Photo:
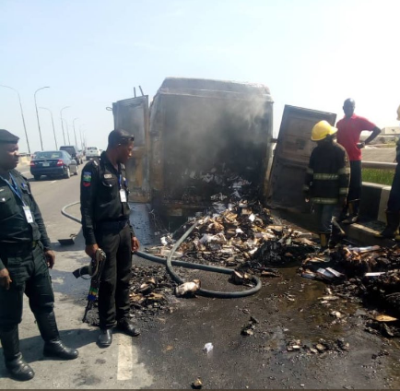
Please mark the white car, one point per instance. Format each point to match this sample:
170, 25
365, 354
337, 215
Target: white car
92, 152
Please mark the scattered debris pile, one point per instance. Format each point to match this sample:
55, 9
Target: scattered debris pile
244, 236
151, 290
322, 348
358, 261
371, 274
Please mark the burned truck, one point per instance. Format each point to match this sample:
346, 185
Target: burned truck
200, 140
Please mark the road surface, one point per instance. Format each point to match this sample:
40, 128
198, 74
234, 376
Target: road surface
169, 353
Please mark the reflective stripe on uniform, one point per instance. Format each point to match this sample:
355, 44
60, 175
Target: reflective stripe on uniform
326, 177
344, 170
326, 201
343, 190
310, 170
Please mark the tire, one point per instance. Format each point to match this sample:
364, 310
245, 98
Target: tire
67, 173
37, 177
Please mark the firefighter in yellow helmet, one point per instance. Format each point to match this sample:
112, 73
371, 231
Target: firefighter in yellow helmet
327, 182
393, 206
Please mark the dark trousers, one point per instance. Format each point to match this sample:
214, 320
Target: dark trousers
393, 204
325, 214
30, 275
114, 285
355, 181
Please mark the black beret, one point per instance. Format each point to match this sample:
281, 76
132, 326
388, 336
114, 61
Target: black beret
7, 138
119, 136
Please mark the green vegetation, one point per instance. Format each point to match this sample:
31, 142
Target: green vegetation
375, 175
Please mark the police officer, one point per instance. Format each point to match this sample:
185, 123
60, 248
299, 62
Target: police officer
105, 222
25, 256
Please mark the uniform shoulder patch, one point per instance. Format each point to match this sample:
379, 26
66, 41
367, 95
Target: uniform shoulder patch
86, 178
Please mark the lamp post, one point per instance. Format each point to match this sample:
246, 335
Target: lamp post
22, 115
80, 135
66, 123
73, 124
37, 114
62, 123
52, 122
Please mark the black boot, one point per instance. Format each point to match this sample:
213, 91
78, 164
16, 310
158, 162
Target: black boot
15, 364
127, 327
53, 346
104, 339
392, 226
354, 210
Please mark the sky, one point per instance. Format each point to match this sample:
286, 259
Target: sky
91, 53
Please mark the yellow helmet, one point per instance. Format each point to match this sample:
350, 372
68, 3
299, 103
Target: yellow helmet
321, 130
398, 114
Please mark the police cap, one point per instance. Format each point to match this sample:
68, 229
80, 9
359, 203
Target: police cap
7, 138
118, 137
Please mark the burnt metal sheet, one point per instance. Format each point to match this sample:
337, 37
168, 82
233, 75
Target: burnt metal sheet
132, 115
291, 157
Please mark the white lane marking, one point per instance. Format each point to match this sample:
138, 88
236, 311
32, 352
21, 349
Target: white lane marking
125, 357
53, 181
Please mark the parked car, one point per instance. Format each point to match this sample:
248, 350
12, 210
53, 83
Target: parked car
53, 164
92, 152
74, 152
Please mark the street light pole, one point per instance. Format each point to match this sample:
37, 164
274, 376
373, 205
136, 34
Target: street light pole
66, 123
62, 123
22, 115
80, 136
37, 115
52, 122
73, 124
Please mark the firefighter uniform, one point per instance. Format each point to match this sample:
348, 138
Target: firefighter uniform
327, 181
105, 221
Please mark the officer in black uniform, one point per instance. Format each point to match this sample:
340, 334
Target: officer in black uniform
105, 222
25, 256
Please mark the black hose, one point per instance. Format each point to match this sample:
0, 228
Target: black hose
169, 263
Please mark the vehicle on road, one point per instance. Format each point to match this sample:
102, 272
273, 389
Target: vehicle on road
92, 152
74, 152
53, 164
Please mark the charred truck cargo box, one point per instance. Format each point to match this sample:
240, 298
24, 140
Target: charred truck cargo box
202, 136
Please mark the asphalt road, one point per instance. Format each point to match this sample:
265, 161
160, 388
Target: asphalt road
169, 353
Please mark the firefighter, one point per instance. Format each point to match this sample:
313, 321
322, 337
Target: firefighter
25, 257
327, 182
105, 222
393, 206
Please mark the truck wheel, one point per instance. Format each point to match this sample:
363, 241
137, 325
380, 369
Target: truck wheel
67, 173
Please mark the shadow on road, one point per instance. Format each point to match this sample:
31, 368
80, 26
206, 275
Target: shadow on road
32, 348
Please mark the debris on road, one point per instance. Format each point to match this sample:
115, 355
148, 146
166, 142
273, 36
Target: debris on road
208, 347
188, 288
197, 384
249, 328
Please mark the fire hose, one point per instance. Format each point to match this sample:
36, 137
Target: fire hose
169, 263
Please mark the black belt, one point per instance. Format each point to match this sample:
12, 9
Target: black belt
112, 225
10, 249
